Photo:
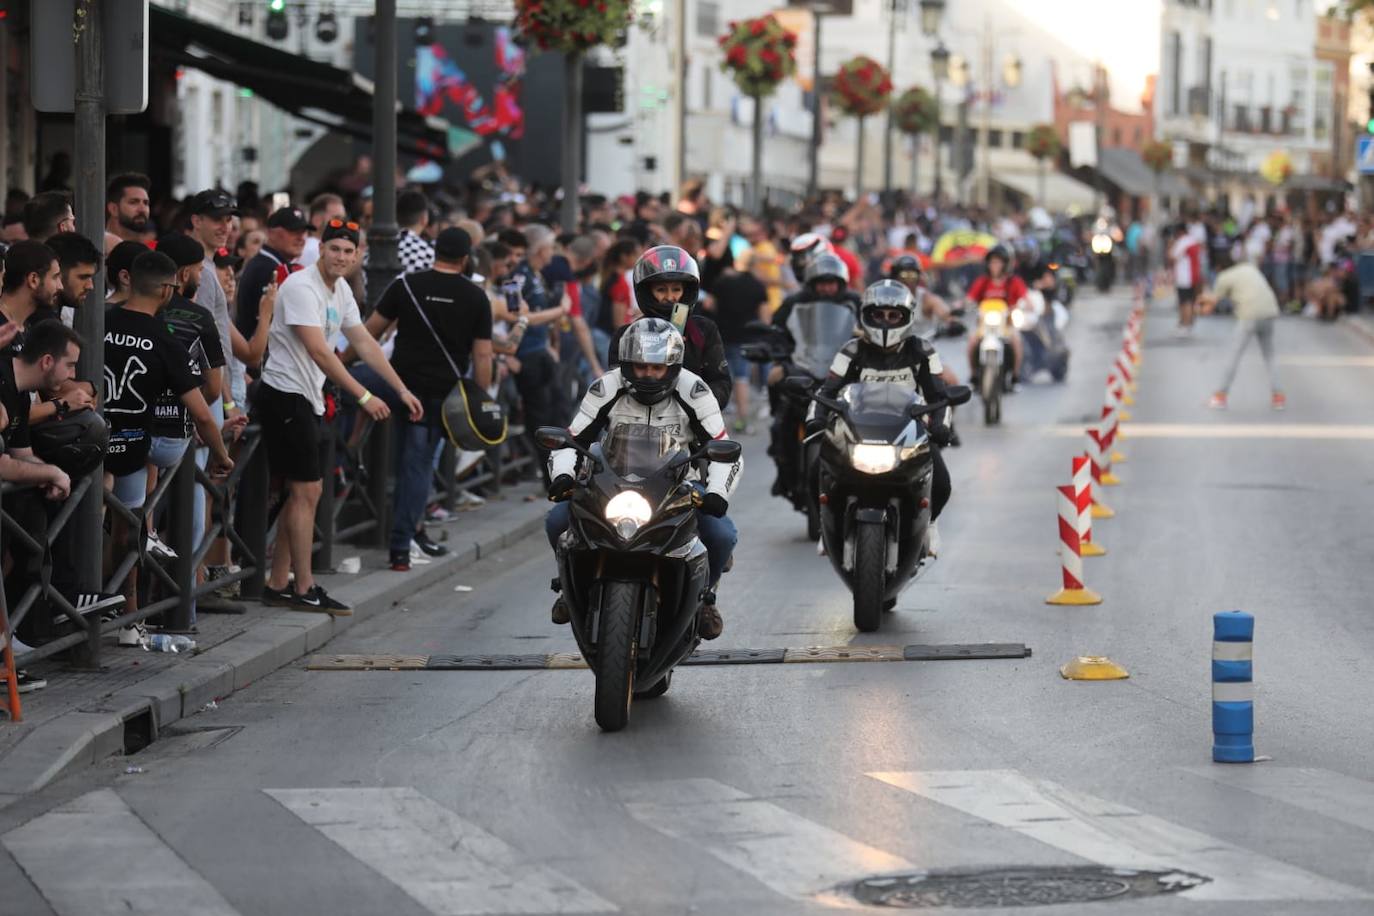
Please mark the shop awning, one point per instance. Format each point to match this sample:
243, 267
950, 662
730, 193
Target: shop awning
1124, 168
316, 91
1020, 171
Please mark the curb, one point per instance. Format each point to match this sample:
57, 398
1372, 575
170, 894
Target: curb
135, 715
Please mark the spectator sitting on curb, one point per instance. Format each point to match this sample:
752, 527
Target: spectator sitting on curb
313, 306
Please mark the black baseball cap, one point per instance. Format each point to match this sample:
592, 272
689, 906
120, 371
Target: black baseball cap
214, 202
292, 219
226, 258
182, 249
341, 229
453, 244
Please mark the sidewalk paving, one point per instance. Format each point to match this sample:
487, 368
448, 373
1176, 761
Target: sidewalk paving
83, 716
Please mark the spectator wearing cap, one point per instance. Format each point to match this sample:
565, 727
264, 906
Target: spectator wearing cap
274, 262
323, 208
313, 306
212, 221
443, 332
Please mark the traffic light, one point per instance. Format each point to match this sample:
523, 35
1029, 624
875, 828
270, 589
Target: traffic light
277, 25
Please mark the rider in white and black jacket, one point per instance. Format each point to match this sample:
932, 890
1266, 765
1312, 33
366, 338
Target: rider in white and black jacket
650, 388
888, 351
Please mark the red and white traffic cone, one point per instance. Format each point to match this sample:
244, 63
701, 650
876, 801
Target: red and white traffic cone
1125, 371
1083, 501
1110, 423
1073, 592
1115, 396
1100, 453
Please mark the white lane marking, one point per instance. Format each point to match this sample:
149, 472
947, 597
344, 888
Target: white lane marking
448, 865
1328, 362
94, 856
1285, 431
785, 851
1334, 795
1117, 836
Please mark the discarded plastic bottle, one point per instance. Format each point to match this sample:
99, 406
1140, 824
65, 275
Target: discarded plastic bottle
162, 642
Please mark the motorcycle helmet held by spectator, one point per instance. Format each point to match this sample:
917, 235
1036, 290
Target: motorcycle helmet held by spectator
76, 443
671, 264
651, 342
886, 314
827, 266
805, 247
473, 420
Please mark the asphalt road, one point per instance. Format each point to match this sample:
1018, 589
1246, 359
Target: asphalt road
761, 789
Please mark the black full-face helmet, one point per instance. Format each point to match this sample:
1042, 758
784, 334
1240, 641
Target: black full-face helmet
76, 443
650, 342
667, 263
886, 314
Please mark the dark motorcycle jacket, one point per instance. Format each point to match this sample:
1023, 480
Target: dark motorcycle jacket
914, 364
703, 354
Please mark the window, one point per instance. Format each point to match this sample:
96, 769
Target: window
1322, 105
946, 133
995, 139
1116, 136
1204, 63
1018, 139
1138, 135
708, 18
1175, 64
706, 87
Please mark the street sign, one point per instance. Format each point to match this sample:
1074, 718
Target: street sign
124, 39
1364, 155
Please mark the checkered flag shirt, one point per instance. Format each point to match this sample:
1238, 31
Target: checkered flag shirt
415, 253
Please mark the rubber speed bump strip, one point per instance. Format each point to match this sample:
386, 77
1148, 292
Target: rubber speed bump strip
567, 660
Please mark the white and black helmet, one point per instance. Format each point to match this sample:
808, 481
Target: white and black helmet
805, 247
651, 342
887, 313
827, 266
671, 264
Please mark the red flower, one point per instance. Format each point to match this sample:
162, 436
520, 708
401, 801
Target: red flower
737, 56
769, 55
722, 40
789, 39
757, 27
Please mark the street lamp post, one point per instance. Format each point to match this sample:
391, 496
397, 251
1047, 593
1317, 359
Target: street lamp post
818, 10
1011, 78
939, 67
931, 11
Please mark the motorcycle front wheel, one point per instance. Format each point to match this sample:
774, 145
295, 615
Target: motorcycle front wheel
991, 386
870, 574
615, 655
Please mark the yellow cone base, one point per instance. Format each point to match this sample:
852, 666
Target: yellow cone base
1123, 416
1093, 668
1078, 597
1089, 549
1101, 511
1127, 400
1117, 457
1109, 479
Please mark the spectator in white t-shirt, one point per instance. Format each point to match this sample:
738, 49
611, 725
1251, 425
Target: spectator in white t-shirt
312, 306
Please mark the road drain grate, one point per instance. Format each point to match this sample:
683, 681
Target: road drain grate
1016, 887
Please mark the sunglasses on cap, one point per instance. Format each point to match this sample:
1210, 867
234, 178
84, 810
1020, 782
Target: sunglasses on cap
343, 224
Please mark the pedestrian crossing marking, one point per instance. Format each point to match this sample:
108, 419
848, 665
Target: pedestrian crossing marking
1334, 795
784, 851
93, 856
445, 863
1117, 836
1286, 431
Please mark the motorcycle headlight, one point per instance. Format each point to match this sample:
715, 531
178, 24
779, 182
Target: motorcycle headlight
1102, 244
873, 458
627, 512
992, 319
1018, 320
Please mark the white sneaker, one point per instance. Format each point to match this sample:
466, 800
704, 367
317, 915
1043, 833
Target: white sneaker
820, 547
466, 460
418, 557
158, 549
466, 501
133, 635
933, 540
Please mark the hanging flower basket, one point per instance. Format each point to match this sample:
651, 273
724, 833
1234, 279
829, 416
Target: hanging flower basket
573, 26
1042, 142
1158, 155
862, 86
915, 112
759, 54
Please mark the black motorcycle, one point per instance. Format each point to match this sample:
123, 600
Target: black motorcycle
631, 569
814, 333
874, 476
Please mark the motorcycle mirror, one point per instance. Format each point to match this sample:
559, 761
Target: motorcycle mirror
553, 438
723, 451
798, 384
958, 394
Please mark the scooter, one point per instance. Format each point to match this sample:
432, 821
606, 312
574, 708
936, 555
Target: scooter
1042, 337
874, 475
993, 366
1104, 261
631, 568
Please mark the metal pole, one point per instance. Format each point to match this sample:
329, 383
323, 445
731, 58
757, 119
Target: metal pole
859, 165
985, 135
1099, 90
383, 261
756, 165
681, 94
572, 138
813, 172
891, 70
87, 522
939, 137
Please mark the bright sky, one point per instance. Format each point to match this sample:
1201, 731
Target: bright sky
1123, 34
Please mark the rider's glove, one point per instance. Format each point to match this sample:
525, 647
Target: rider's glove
715, 505
561, 486
941, 434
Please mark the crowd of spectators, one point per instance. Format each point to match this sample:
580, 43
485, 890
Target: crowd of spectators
229, 308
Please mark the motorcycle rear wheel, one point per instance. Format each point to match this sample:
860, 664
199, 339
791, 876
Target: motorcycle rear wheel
870, 576
615, 655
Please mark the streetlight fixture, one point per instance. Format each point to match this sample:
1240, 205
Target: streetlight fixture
939, 62
931, 13
1011, 71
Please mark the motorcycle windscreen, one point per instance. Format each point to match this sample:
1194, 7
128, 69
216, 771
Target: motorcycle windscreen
640, 449
878, 410
819, 330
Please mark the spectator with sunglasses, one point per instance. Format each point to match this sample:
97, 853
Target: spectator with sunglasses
313, 306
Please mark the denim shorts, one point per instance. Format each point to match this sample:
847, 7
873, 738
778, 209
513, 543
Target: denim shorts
739, 366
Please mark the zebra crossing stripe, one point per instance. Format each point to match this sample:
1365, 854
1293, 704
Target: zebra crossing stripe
784, 851
94, 856
1117, 836
446, 864
1334, 795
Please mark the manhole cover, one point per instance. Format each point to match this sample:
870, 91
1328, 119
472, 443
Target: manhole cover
1008, 887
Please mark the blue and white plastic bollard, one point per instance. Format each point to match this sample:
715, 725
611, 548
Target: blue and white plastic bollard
1233, 687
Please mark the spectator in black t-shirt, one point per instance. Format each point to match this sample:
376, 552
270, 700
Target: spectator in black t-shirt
49, 359
47, 214
286, 232
33, 279
443, 326
737, 298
